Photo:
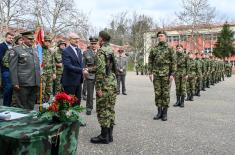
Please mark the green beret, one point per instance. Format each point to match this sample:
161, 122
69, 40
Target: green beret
161, 32
47, 38
28, 34
104, 35
61, 42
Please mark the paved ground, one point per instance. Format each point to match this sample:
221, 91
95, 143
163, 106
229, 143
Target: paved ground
205, 126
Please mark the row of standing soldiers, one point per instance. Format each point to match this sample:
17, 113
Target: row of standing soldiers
197, 72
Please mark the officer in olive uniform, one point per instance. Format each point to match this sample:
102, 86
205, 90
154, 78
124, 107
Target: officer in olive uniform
49, 70
25, 72
59, 67
181, 75
89, 62
162, 67
121, 71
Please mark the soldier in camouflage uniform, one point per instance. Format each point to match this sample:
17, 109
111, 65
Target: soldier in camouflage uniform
213, 70
208, 70
59, 67
106, 85
204, 71
228, 68
191, 77
49, 70
137, 68
162, 66
181, 75
198, 75
89, 62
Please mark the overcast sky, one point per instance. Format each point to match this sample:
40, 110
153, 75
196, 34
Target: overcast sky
101, 11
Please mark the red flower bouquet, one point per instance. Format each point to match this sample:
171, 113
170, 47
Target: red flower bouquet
63, 108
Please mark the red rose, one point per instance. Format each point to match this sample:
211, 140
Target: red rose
53, 107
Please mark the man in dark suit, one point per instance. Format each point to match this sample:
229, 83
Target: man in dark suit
72, 77
6, 81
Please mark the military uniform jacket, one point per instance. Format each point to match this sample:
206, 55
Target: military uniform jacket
89, 61
24, 66
49, 67
162, 61
192, 68
182, 64
199, 67
58, 59
121, 64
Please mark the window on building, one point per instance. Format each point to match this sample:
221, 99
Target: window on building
169, 39
183, 38
207, 50
207, 36
214, 37
176, 38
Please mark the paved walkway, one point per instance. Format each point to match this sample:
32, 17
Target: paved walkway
204, 126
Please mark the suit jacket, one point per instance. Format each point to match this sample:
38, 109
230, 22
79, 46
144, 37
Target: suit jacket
3, 49
72, 73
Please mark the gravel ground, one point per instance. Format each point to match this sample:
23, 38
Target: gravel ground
204, 126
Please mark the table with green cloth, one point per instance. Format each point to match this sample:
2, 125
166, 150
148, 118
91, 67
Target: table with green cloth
31, 136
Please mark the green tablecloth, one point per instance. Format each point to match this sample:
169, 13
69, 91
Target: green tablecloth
30, 136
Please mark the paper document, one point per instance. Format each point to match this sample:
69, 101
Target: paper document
9, 115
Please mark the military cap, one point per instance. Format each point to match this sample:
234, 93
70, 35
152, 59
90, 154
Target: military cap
93, 39
61, 42
47, 38
120, 50
16, 38
161, 32
179, 45
104, 35
28, 34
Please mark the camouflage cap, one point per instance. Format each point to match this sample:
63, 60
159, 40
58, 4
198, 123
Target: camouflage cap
104, 35
28, 34
93, 39
47, 38
61, 42
16, 38
161, 32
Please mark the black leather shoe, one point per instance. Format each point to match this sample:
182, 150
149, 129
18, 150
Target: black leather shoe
124, 93
103, 138
159, 114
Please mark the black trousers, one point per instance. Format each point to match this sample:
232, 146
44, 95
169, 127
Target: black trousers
74, 90
121, 79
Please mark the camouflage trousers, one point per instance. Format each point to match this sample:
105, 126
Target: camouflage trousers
204, 81
208, 81
46, 87
190, 85
198, 83
180, 83
57, 84
162, 91
213, 78
105, 106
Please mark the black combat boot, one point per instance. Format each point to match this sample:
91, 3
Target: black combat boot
182, 101
111, 134
198, 93
164, 114
103, 138
191, 96
188, 97
177, 101
159, 114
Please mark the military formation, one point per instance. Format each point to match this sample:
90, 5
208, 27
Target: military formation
193, 72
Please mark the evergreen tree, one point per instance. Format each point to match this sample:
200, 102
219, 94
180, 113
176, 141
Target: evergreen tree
224, 45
